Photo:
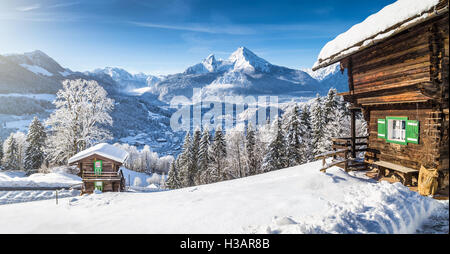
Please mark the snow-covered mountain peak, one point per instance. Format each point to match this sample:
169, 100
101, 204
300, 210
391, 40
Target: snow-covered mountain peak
244, 59
210, 63
115, 73
323, 73
36, 54
39, 63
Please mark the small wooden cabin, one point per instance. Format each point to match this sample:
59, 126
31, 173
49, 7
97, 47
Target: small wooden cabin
99, 168
398, 78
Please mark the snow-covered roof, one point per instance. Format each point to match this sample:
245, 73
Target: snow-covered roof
389, 21
102, 149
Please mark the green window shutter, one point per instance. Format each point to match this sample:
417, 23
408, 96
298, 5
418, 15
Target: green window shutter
98, 167
412, 131
382, 128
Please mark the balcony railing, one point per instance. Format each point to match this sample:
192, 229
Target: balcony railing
91, 175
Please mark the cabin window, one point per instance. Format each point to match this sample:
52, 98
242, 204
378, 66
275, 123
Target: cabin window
399, 130
396, 130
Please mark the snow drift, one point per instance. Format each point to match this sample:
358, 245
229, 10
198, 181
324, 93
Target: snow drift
293, 200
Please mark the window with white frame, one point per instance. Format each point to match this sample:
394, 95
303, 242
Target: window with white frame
396, 130
399, 130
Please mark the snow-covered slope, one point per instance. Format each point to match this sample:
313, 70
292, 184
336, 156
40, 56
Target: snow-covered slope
39, 63
293, 200
54, 179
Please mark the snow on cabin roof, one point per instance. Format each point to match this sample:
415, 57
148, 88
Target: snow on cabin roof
390, 20
102, 149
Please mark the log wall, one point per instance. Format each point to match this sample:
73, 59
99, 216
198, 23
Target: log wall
87, 164
410, 155
407, 76
408, 67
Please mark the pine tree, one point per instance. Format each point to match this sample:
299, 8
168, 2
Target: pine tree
293, 139
1, 152
275, 158
203, 158
173, 180
250, 147
194, 154
184, 162
306, 135
318, 125
330, 105
339, 122
11, 156
218, 155
34, 153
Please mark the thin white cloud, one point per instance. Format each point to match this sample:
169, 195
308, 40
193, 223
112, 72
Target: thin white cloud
249, 29
238, 30
28, 7
63, 5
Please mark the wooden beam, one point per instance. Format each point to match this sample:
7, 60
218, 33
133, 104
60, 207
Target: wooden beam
353, 133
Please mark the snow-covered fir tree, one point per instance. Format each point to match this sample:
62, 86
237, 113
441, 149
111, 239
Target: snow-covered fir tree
184, 162
338, 124
34, 153
330, 105
1, 152
318, 126
251, 151
203, 158
173, 180
193, 156
218, 155
293, 139
82, 108
275, 157
11, 157
306, 134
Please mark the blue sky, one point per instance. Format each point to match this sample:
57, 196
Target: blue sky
161, 37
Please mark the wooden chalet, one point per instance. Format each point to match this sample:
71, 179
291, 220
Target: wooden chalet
398, 78
100, 168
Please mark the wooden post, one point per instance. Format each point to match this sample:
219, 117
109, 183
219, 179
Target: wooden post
56, 196
353, 133
352, 110
346, 161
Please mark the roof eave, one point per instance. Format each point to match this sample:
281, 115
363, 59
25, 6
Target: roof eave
333, 60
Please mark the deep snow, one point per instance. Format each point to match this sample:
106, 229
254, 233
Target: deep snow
293, 200
58, 178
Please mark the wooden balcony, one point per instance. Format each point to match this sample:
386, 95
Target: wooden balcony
103, 176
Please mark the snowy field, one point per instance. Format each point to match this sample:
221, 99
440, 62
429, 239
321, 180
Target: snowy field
58, 178
11, 197
293, 200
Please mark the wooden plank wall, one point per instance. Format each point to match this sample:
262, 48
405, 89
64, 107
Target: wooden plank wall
88, 164
410, 155
396, 70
